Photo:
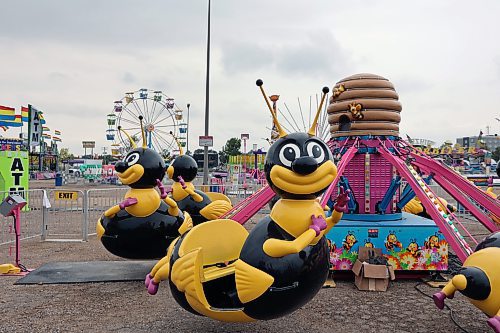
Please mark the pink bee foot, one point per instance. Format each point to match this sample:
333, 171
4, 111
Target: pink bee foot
494, 323
439, 299
153, 287
148, 280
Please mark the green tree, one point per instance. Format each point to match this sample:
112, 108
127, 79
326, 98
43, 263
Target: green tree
496, 154
64, 154
127, 145
231, 148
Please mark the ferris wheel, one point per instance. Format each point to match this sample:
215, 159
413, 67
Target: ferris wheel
161, 119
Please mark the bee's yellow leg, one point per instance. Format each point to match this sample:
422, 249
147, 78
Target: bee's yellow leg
196, 197
187, 224
112, 211
159, 266
449, 290
162, 273
173, 209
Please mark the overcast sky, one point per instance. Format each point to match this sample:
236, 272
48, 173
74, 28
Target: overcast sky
72, 59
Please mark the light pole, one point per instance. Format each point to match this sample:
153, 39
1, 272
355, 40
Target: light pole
187, 130
244, 138
205, 153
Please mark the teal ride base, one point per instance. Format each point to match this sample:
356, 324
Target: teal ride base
409, 242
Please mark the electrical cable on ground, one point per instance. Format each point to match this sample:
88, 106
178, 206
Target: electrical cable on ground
446, 306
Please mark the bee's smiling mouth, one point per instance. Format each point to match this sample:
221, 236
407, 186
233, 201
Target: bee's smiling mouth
291, 182
132, 174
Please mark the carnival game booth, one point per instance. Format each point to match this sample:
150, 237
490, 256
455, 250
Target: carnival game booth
391, 205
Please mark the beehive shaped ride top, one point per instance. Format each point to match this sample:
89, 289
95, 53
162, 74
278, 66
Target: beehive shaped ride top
364, 104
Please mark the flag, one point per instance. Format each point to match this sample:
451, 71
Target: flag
18, 121
8, 117
24, 114
46, 136
56, 132
7, 113
42, 120
45, 129
56, 138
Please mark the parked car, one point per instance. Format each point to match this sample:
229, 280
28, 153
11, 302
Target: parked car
75, 172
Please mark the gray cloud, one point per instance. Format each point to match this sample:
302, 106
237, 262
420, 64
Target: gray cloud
120, 24
240, 57
408, 84
72, 59
319, 53
129, 78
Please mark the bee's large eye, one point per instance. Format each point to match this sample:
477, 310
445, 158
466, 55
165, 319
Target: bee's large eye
315, 151
132, 159
289, 153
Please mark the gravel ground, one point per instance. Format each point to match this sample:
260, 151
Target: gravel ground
127, 307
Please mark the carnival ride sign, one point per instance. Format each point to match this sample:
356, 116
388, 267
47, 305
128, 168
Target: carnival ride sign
88, 144
11, 144
206, 141
449, 150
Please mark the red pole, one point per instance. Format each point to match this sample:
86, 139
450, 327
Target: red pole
17, 216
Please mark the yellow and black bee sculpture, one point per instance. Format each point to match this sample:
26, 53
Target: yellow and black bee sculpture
198, 204
219, 270
146, 222
479, 280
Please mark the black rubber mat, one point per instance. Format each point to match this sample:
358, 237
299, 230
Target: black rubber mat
88, 271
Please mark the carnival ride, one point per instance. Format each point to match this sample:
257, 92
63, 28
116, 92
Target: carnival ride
374, 163
160, 114
219, 270
294, 121
201, 206
143, 225
147, 221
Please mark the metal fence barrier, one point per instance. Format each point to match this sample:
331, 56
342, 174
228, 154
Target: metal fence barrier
98, 201
31, 223
65, 218
71, 215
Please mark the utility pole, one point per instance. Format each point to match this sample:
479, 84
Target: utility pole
205, 154
187, 130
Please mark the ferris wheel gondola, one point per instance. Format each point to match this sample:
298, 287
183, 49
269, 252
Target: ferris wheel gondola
160, 117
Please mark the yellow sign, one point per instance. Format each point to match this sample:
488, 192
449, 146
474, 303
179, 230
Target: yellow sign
66, 195
448, 150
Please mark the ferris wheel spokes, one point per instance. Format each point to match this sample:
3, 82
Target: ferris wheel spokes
130, 112
156, 116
